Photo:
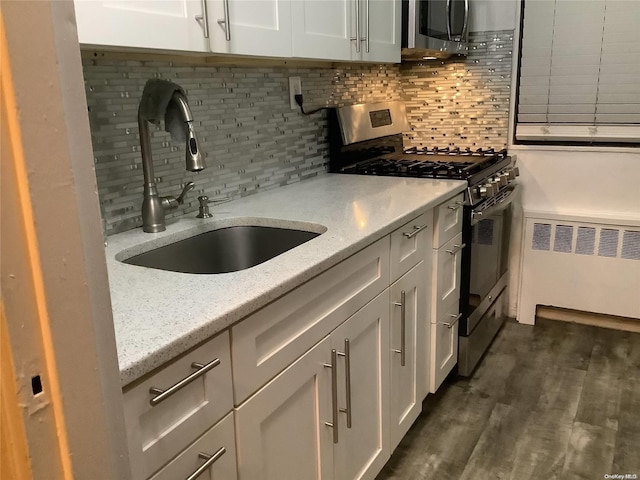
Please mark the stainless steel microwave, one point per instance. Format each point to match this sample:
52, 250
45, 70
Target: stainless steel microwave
434, 28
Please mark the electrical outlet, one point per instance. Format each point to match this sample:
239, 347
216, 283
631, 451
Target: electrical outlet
295, 88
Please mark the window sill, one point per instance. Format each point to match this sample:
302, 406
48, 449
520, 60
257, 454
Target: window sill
571, 148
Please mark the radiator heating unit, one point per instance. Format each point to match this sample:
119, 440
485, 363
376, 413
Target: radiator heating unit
580, 262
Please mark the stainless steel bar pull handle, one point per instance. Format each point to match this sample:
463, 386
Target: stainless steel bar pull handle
204, 19
455, 206
449, 20
416, 230
224, 23
454, 321
161, 395
403, 327
367, 28
210, 460
465, 26
334, 394
456, 248
357, 37
347, 374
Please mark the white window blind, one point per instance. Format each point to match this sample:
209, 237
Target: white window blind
580, 71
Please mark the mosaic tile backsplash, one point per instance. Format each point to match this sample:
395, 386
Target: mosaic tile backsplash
254, 141
463, 103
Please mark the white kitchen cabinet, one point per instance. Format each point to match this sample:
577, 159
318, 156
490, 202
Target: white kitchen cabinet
381, 27
159, 431
281, 431
409, 347
367, 30
163, 25
445, 296
447, 219
363, 448
410, 244
444, 348
318, 29
284, 430
250, 27
269, 340
322, 29
447, 265
218, 444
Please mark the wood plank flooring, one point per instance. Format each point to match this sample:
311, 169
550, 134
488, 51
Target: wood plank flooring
554, 401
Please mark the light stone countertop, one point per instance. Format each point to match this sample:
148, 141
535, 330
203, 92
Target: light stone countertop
159, 315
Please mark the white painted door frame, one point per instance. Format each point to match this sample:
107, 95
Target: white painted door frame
55, 291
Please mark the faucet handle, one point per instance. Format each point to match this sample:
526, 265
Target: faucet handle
187, 188
204, 207
171, 203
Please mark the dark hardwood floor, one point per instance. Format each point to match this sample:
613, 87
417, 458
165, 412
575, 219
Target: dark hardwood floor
554, 401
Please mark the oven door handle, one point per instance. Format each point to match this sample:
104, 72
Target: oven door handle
476, 217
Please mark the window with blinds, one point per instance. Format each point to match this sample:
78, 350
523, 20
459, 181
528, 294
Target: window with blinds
580, 71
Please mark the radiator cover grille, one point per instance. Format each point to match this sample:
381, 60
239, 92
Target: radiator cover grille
581, 240
573, 262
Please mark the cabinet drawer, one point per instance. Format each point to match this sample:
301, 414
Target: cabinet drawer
409, 244
444, 347
266, 342
219, 442
447, 220
157, 433
447, 264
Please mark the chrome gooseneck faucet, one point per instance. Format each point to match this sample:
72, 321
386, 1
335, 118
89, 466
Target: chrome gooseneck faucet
153, 205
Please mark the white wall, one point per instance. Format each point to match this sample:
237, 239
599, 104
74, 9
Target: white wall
591, 182
491, 15
565, 180
587, 181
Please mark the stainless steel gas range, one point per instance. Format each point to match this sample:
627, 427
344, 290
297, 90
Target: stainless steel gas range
367, 139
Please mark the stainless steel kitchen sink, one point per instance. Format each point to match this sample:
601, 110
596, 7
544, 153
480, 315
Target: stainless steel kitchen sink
224, 250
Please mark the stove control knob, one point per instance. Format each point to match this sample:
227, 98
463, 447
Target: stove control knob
504, 179
512, 174
516, 171
488, 190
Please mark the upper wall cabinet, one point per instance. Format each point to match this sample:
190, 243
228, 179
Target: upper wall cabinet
163, 25
250, 27
322, 29
381, 26
356, 30
348, 30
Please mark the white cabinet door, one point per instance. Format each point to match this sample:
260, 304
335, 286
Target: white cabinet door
408, 323
321, 29
250, 27
444, 344
381, 28
328, 29
363, 449
281, 431
447, 273
166, 25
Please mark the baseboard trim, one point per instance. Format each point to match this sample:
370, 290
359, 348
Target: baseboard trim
588, 318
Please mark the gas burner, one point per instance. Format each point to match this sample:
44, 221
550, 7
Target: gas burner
480, 152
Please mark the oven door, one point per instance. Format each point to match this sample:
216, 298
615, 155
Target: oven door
486, 230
